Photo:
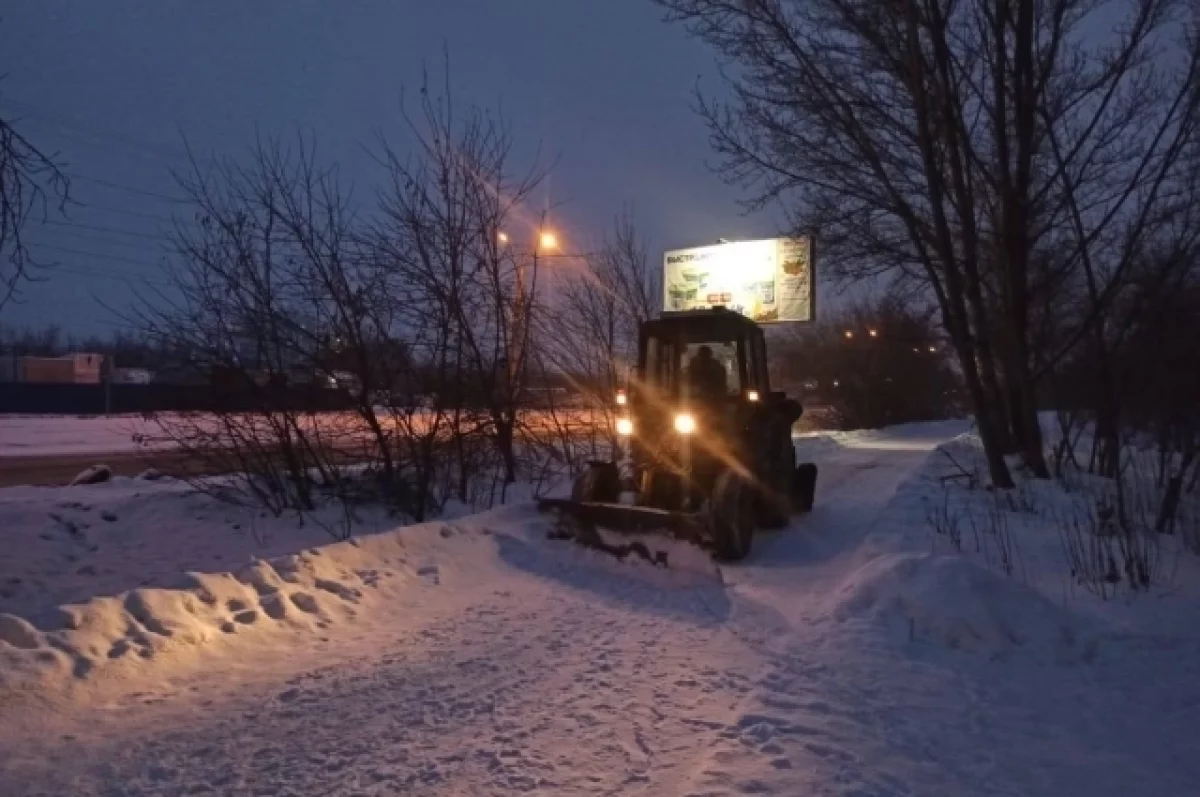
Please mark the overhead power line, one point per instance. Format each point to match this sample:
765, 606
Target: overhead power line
129, 188
127, 212
84, 253
93, 131
128, 279
104, 230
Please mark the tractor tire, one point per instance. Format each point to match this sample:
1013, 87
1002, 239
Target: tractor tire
777, 502
731, 517
600, 482
804, 487
662, 490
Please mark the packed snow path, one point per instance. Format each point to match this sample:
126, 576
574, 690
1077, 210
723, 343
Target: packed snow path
563, 672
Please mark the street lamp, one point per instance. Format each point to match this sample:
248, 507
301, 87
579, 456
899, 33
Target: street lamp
849, 334
502, 237
547, 241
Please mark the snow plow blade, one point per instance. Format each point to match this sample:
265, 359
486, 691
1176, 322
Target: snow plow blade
672, 540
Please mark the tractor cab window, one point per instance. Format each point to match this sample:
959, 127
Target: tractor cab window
710, 368
756, 365
660, 357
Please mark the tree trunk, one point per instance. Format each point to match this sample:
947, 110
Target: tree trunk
1167, 511
1027, 426
504, 444
985, 420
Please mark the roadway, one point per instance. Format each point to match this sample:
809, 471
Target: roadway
58, 469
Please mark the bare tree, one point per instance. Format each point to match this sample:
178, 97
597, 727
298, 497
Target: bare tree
29, 180
452, 228
944, 139
588, 328
874, 363
275, 302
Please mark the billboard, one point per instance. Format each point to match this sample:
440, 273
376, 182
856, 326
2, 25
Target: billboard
770, 280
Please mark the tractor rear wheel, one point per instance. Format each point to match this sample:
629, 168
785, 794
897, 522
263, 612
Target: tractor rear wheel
776, 502
731, 518
600, 482
804, 487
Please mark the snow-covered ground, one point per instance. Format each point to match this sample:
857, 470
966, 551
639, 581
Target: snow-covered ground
61, 435
851, 655
46, 435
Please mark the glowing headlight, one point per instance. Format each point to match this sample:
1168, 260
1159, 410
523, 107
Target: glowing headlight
751, 395
624, 427
685, 423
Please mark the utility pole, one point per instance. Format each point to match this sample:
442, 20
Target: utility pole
106, 370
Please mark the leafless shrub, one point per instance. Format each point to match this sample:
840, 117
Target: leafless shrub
586, 337
961, 474
1108, 536
945, 520
1086, 536
993, 533
377, 355
452, 234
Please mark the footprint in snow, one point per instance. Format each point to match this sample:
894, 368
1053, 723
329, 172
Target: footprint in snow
430, 573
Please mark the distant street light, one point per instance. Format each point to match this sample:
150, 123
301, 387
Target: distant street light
502, 237
849, 334
548, 241
932, 349
873, 333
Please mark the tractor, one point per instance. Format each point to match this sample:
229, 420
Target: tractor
706, 450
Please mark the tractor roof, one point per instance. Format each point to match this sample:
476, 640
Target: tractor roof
713, 322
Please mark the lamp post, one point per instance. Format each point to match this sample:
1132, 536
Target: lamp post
545, 242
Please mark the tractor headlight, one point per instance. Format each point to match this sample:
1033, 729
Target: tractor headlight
624, 426
685, 423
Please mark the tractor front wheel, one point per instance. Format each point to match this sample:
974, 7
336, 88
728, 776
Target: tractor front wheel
731, 512
599, 483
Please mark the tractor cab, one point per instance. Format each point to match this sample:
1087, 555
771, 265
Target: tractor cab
709, 357
701, 402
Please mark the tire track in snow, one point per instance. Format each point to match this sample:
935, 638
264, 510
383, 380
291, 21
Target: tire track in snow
787, 736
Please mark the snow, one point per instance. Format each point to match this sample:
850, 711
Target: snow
46, 435
61, 435
855, 653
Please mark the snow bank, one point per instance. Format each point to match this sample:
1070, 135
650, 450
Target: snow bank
132, 571
953, 602
308, 591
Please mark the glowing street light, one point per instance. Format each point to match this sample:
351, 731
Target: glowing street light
873, 332
932, 349
548, 241
849, 334
502, 237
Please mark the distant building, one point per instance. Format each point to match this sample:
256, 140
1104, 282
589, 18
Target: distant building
132, 376
78, 369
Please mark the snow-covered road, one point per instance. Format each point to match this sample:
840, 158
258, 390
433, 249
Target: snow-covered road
556, 671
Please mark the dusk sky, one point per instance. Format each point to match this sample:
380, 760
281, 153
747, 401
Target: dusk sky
113, 86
